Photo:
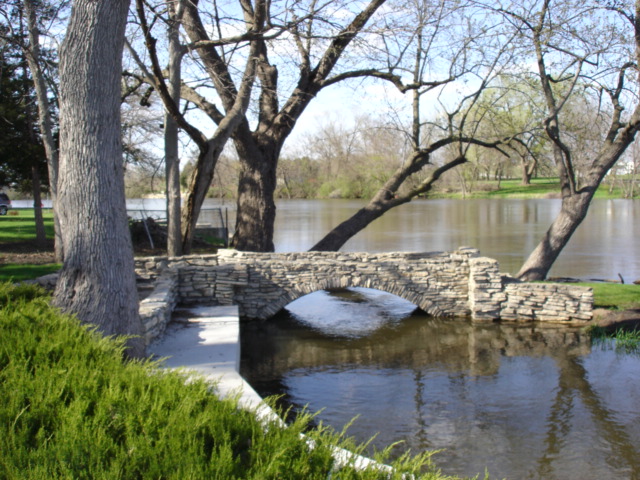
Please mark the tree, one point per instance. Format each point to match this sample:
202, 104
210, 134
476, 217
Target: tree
97, 280
259, 148
35, 13
210, 148
22, 30
171, 150
23, 161
477, 61
168, 93
590, 48
514, 107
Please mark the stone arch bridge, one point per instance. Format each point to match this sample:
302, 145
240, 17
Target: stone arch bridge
459, 283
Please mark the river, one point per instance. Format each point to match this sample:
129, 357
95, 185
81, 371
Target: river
521, 401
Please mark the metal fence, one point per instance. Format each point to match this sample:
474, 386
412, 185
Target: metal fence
212, 226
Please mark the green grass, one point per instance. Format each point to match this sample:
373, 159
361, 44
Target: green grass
628, 340
540, 187
615, 295
513, 188
622, 340
71, 408
16, 272
19, 225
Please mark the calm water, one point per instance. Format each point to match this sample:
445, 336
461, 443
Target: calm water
523, 402
605, 245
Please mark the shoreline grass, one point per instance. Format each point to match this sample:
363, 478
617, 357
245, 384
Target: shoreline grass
622, 340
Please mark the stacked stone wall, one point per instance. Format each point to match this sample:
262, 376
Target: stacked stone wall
543, 302
436, 282
443, 284
156, 310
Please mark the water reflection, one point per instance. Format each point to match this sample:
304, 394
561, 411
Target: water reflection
525, 402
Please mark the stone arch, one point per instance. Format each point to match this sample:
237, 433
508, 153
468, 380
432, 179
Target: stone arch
374, 282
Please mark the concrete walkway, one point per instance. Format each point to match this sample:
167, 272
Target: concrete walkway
205, 340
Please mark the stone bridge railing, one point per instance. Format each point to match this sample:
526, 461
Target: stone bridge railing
458, 283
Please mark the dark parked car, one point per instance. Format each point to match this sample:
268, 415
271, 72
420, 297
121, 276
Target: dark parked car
5, 203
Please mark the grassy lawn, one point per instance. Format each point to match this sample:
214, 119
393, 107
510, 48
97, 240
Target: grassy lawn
615, 295
16, 272
19, 225
540, 187
71, 408
17, 234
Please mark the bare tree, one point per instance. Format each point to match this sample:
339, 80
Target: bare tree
171, 141
580, 48
97, 280
259, 147
210, 148
456, 129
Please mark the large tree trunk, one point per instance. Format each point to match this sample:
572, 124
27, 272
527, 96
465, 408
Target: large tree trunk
256, 208
97, 281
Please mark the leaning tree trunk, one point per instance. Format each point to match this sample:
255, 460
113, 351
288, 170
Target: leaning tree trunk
572, 213
196, 193
97, 281
386, 198
339, 235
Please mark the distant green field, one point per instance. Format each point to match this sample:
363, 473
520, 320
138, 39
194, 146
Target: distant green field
539, 188
19, 225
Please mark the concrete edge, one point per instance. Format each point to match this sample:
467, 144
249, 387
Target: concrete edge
205, 341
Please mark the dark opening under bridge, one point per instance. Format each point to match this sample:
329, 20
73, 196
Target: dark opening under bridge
459, 283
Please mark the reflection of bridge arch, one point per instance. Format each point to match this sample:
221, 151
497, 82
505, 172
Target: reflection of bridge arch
442, 284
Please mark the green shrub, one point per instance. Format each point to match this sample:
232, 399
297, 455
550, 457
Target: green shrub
71, 408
